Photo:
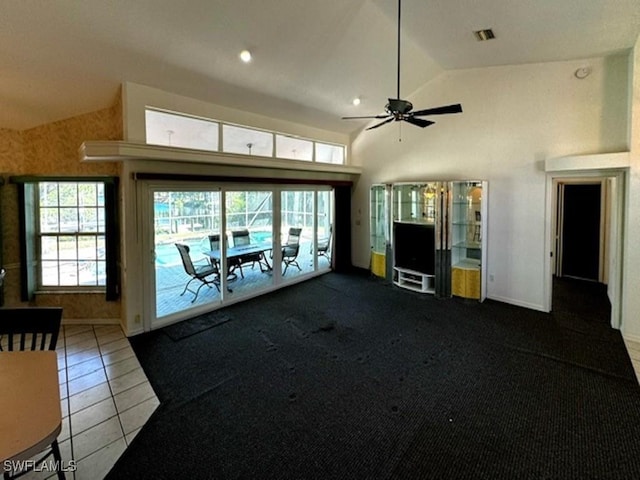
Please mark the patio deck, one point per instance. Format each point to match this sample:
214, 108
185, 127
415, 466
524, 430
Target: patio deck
171, 279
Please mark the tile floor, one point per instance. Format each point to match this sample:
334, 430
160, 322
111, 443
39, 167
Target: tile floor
633, 349
106, 399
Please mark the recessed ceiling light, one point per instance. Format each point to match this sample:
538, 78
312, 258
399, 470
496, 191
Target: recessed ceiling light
482, 35
356, 101
245, 56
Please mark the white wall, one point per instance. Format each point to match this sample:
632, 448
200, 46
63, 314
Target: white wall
514, 118
631, 280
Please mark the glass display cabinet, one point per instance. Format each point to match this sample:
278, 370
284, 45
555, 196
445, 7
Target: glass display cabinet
415, 202
468, 232
431, 236
379, 228
413, 235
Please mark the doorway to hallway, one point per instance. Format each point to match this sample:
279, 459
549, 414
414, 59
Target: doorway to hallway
585, 219
581, 231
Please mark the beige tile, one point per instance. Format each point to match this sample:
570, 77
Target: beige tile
116, 370
110, 337
84, 368
72, 330
89, 397
98, 464
634, 355
39, 474
65, 431
62, 362
118, 355
93, 415
115, 346
132, 397
82, 356
130, 436
79, 341
64, 407
64, 391
65, 454
82, 346
97, 437
137, 416
631, 342
36, 475
127, 381
87, 381
62, 376
106, 329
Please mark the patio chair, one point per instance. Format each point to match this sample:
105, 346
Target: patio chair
291, 249
32, 328
200, 273
323, 247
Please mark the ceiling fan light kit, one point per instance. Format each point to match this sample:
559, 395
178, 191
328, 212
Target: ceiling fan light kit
398, 109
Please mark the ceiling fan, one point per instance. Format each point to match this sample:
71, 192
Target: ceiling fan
401, 110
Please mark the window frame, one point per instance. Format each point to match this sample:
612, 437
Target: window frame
28, 209
222, 148
61, 235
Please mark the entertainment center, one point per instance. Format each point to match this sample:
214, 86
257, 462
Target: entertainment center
434, 233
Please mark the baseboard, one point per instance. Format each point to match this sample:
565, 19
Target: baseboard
518, 303
90, 321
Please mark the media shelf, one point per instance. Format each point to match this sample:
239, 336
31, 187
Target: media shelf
412, 280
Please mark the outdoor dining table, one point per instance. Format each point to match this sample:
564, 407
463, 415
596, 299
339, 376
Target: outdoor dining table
244, 250
30, 415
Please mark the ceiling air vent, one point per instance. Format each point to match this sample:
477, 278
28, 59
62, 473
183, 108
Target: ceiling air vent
482, 35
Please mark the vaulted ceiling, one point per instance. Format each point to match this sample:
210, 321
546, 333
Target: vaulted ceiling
60, 58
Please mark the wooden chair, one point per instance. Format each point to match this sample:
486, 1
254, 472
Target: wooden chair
32, 328
200, 273
28, 328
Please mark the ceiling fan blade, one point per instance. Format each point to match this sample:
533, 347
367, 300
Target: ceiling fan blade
390, 119
455, 108
420, 122
370, 116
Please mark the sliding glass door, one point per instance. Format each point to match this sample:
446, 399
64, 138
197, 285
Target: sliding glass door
324, 230
185, 277
249, 227
206, 246
296, 232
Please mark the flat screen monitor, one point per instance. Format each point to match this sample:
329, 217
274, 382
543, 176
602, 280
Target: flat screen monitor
414, 247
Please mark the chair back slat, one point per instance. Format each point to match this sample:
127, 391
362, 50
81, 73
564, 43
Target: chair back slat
30, 328
214, 241
186, 258
241, 237
294, 236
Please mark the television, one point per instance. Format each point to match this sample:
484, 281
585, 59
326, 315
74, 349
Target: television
414, 247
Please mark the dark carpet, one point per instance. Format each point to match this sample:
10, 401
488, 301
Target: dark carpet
347, 377
182, 330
